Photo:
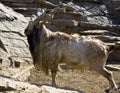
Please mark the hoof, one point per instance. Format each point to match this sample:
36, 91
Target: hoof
107, 91
114, 90
54, 85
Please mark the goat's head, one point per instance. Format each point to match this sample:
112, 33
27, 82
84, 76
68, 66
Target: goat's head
37, 21
42, 17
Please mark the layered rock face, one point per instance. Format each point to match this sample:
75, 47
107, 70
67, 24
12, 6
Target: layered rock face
13, 46
96, 18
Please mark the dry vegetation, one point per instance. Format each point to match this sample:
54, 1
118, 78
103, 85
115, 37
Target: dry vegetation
90, 82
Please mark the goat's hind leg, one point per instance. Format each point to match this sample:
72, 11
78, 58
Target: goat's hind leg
107, 74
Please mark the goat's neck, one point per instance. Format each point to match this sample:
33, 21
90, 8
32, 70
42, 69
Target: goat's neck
46, 33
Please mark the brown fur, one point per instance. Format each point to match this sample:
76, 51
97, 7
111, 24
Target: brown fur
79, 52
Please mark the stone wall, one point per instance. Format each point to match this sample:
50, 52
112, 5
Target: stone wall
13, 45
87, 17
27, 7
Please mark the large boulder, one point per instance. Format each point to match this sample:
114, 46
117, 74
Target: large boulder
14, 86
13, 44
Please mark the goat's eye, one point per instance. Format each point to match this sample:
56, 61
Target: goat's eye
26, 32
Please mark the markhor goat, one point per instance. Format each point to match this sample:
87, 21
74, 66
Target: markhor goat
49, 48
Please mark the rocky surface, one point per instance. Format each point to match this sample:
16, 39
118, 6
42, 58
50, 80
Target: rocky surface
7, 84
13, 45
96, 18
50, 89
13, 86
14, 53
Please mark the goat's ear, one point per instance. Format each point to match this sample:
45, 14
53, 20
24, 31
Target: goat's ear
40, 11
33, 17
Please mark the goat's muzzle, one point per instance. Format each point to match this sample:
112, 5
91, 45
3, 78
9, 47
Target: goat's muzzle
27, 32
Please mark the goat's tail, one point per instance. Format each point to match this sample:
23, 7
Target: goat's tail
112, 68
113, 47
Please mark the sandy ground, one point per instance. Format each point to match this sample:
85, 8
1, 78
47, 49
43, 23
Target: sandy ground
89, 82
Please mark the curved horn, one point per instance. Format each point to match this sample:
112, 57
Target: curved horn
57, 10
42, 15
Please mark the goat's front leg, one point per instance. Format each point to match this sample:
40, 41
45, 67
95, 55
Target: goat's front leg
53, 77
